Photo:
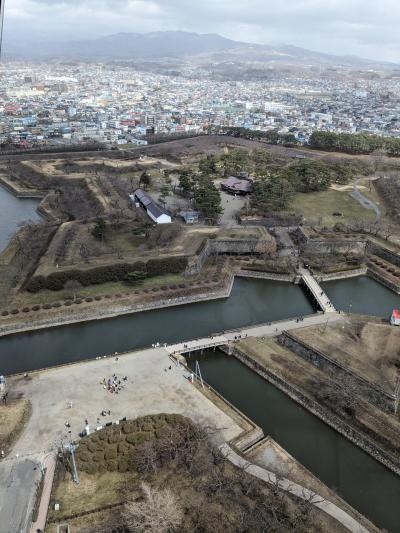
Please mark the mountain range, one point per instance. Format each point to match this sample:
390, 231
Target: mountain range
179, 46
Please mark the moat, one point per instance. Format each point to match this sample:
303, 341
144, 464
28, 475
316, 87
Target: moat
363, 482
14, 211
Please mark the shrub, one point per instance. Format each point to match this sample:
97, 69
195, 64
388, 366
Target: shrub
5, 313
88, 299
111, 454
47, 306
102, 274
14, 311
56, 305
68, 303
36, 308
90, 468
123, 465
26, 310
78, 301
97, 298
112, 465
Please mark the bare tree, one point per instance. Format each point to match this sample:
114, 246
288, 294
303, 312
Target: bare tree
158, 511
72, 286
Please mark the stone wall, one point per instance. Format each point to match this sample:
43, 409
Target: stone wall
370, 391
219, 246
361, 440
383, 253
380, 278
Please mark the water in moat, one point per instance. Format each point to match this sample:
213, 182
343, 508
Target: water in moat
13, 211
251, 301
362, 295
366, 484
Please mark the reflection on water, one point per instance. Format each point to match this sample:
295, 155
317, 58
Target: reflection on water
13, 211
366, 484
252, 301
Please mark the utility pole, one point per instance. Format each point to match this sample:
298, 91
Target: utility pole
75, 474
71, 447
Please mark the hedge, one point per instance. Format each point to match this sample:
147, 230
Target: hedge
103, 274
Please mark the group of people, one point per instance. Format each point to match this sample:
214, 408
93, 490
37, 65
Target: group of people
114, 384
238, 337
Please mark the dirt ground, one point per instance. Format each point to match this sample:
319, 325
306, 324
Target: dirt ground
13, 418
371, 350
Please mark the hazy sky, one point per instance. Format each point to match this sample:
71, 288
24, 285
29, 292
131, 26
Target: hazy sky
368, 28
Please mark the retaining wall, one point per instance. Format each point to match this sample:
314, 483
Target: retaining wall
380, 278
217, 246
266, 275
342, 275
370, 391
316, 409
117, 311
383, 253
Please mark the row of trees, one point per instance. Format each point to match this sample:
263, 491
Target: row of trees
359, 143
270, 136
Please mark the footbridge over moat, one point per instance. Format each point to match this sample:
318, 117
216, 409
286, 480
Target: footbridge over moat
316, 291
271, 329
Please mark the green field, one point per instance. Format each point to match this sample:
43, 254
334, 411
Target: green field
113, 287
318, 207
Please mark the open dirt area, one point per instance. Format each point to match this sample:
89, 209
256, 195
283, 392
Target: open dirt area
149, 389
13, 418
371, 350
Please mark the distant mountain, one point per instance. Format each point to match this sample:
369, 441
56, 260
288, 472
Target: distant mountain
178, 45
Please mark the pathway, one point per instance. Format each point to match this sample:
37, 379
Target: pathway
271, 329
293, 488
50, 466
316, 290
364, 201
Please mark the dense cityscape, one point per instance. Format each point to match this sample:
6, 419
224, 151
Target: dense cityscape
72, 103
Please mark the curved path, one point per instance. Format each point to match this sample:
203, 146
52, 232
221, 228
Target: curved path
364, 201
293, 488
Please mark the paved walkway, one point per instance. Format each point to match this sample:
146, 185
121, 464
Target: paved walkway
50, 465
315, 288
263, 330
364, 201
293, 488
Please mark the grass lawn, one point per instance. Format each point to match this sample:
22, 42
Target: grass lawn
13, 418
112, 287
320, 206
93, 492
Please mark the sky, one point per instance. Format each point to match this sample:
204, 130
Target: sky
367, 28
